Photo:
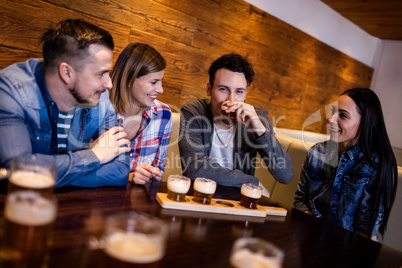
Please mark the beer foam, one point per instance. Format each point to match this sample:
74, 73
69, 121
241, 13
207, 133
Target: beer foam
206, 187
179, 187
29, 208
133, 248
244, 258
32, 180
250, 192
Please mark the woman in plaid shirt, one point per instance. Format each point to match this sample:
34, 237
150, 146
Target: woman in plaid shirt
137, 81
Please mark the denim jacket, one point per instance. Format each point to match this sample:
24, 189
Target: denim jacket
28, 125
354, 181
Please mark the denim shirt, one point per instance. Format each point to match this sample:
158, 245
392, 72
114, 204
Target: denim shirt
28, 125
353, 182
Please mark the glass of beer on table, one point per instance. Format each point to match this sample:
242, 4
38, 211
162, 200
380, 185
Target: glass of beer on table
28, 224
134, 240
231, 115
255, 252
250, 195
204, 189
33, 173
177, 187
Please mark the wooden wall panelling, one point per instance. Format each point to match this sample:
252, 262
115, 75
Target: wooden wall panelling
191, 92
296, 75
29, 19
277, 90
332, 69
144, 15
284, 117
171, 94
185, 65
219, 41
12, 55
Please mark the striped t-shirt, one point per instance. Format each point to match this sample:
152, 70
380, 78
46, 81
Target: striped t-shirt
63, 128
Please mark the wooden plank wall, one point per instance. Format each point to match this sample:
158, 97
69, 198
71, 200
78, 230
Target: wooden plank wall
296, 75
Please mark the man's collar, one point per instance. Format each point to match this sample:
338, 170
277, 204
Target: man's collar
40, 80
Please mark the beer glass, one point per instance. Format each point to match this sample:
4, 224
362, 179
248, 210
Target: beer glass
32, 173
134, 240
250, 195
231, 115
177, 187
204, 189
28, 222
254, 252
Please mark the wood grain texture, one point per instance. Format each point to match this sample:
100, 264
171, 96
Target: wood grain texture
296, 75
380, 18
200, 240
220, 206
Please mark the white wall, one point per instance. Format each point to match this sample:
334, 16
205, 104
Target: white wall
387, 83
323, 23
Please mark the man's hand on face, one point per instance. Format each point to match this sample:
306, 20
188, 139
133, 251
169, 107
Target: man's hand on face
110, 144
244, 113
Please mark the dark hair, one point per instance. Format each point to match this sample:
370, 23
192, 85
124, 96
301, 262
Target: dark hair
374, 140
69, 42
232, 62
136, 60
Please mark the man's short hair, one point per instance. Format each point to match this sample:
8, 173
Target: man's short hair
232, 62
70, 41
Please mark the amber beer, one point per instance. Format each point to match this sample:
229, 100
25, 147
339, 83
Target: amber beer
245, 259
231, 115
204, 189
132, 250
250, 195
28, 221
178, 187
28, 180
134, 240
33, 173
255, 252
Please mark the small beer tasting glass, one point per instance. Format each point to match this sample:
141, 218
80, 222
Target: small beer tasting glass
250, 195
177, 187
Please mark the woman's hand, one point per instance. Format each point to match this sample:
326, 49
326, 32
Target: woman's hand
143, 173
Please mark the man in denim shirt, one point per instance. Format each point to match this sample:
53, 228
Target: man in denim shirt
71, 81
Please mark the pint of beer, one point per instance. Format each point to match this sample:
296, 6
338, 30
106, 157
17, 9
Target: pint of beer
134, 240
204, 189
231, 115
32, 173
28, 221
177, 187
250, 195
254, 252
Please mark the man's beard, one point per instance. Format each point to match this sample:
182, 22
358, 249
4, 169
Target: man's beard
81, 100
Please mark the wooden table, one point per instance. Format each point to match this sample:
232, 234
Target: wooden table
199, 239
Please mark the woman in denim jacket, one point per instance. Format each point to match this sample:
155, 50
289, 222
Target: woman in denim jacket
351, 179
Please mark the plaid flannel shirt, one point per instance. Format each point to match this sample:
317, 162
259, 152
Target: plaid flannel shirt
151, 144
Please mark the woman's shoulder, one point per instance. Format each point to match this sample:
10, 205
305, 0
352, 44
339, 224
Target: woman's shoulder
158, 105
161, 111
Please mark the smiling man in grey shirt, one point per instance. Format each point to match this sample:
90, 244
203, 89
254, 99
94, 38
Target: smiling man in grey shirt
221, 135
